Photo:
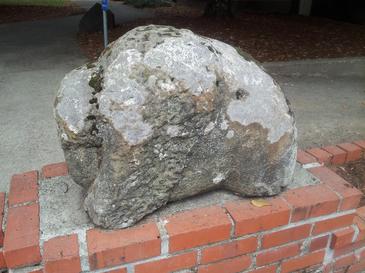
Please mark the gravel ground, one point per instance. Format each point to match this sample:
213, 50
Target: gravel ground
18, 13
267, 37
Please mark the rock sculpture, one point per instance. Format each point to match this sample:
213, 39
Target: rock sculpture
165, 114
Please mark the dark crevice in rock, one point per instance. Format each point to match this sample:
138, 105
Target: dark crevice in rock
90, 65
290, 111
91, 117
241, 94
94, 130
93, 100
213, 50
96, 81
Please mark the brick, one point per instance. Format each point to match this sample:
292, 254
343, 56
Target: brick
362, 255
319, 243
37, 271
357, 268
61, 255
348, 249
349, 194
361, 212
250, 219
315, 268
333, 223
233, 265
302, 262
361, 144
327, 268
277, 254
311, 201
23, 188
360, 223
342, 270
197, 227
229, 250
338, 155
305, 158
21, 242
343, 237
2, 261
285, 236
353, 151
55, 169
344, 261
321, 155
121, 270
265, 269
111, 248
167, 265
2, 211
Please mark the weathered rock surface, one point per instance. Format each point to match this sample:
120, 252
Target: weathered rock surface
165, 114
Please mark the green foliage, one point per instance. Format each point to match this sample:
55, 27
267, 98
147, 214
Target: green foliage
54, 3
148, 3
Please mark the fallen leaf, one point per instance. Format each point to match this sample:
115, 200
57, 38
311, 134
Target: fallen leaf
260, 203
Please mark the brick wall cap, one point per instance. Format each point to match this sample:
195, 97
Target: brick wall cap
305, 158
250, 219
54, 170
107, 248
350, 195
61, 247
197, 227
21, 242
320, 154
360, 143
23, 188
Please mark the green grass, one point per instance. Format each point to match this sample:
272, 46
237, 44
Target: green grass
54, 3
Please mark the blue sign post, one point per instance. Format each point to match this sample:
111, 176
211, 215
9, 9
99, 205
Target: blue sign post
105, 7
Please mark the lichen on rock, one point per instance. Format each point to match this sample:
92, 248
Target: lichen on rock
166, 114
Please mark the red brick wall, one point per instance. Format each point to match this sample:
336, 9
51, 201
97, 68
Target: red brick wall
313, 227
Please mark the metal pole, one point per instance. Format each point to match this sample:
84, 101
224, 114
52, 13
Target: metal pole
105, 22
105, 27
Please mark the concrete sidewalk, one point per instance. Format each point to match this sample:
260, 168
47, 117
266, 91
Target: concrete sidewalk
328, 96
34, 57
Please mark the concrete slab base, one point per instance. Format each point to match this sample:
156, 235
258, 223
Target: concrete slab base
62, 209
62, 212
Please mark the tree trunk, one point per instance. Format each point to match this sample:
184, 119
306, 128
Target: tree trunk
294, 8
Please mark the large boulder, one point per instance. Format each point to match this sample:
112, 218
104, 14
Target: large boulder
165, 114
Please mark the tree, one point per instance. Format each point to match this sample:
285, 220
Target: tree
294, 7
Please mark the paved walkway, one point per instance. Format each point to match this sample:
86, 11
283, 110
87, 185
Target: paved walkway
328, 96
34, 57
